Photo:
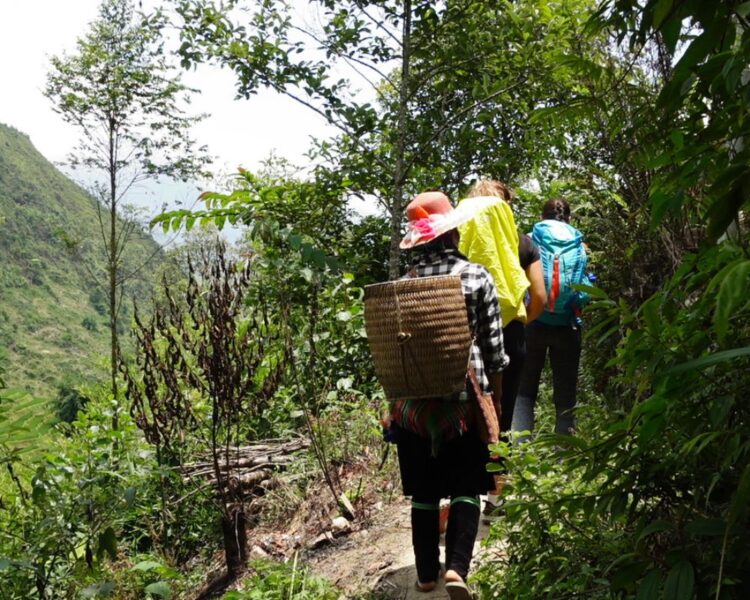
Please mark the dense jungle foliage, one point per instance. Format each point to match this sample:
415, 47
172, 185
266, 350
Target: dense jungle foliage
636, 112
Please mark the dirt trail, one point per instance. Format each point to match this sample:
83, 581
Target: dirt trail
380, 559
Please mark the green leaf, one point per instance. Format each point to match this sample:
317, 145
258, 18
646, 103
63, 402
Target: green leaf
4, 564
709, 360
318, 258
98, 590
720, 408
661, 10
678, 139
699, 442
159, 588
706, 527
594, 292
650, 313
717, 279
333, 263
743, 9
663, 202
650, 427
725, 209
108, 543
671, 32
38, 493
733, 294
680, 581
698, 49
146, 565
741, 498
654, 527
660, 160
627, 573
571, 441
649, 586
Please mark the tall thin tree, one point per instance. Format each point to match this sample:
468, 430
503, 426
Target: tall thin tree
126, 99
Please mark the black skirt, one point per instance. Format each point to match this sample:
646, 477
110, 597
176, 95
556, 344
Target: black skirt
459, 469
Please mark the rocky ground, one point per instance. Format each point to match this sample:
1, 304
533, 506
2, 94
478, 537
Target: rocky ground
379, 558
369, 555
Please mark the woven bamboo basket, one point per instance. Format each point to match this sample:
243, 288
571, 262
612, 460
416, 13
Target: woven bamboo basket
419, 336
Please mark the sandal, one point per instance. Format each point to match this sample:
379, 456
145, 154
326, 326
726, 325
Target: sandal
425, 587
430, 585
458, 590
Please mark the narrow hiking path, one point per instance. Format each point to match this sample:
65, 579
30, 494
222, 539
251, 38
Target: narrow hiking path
379, 559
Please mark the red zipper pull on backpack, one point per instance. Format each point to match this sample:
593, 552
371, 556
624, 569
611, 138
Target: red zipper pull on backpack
555, 287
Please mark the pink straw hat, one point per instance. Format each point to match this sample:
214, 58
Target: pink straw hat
431, 215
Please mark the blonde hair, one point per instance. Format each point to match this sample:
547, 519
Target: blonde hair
490, 187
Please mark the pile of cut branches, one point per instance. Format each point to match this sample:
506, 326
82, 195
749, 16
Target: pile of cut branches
248, 468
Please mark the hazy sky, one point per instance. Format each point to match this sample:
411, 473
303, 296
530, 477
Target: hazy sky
238, 133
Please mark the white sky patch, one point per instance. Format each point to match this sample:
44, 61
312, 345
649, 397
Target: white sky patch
237, 132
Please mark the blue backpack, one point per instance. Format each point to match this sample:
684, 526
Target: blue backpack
564, 263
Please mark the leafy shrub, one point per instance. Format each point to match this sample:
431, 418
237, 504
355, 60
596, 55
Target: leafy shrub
147, 578
69, 401
65, 507
98, 300
555, 545
68, 340
90, 324
283, 581
655, 503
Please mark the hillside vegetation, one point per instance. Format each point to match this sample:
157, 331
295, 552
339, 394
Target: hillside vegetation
53, 315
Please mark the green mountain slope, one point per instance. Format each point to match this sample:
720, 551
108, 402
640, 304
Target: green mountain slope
53, 322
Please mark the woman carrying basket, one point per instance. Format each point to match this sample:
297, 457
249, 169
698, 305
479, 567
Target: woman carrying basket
441, 450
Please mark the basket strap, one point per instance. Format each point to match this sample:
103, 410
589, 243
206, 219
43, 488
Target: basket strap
403, 339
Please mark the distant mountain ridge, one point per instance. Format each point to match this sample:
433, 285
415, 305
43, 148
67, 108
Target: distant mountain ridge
53, 321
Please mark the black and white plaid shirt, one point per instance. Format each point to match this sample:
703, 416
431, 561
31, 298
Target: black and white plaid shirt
487, 351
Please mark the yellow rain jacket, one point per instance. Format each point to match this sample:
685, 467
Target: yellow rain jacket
491, 239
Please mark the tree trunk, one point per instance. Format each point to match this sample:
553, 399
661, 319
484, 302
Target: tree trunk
112, 264
112, 268
40, 582
397, 205
233, 527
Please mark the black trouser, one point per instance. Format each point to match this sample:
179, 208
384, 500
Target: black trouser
514, 340
564, 346
463, 524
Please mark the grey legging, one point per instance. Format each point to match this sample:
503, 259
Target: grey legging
564, 344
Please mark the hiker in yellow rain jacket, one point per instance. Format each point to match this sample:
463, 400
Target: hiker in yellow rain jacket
492, 240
